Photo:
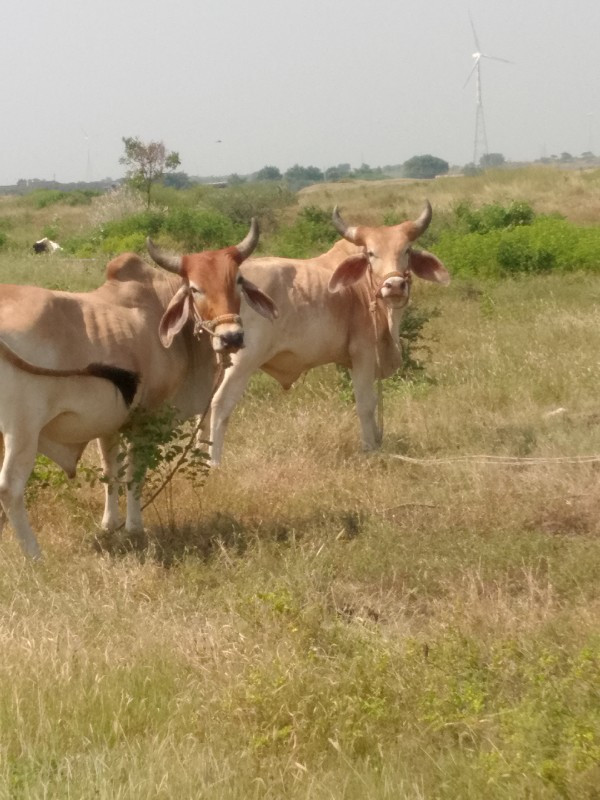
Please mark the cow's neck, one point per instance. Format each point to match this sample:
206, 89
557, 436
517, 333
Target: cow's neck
394, 320
389, 348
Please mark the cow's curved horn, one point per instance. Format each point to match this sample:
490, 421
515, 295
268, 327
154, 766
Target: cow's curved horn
422, 222
344, 230
247, 245
171, 263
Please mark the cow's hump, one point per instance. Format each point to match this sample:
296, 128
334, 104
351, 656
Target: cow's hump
129, 267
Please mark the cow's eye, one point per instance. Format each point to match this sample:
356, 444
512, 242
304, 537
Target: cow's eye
195, 290
371, 254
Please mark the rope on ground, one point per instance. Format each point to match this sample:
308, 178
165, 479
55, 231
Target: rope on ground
501, 460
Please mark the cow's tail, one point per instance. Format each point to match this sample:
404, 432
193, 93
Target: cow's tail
126, 381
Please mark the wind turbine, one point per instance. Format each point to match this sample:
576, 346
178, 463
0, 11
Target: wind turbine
88, 171
480, 146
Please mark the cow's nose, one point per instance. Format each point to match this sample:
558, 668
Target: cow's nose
233, 339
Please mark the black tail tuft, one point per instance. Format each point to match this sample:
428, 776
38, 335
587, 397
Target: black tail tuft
126, 381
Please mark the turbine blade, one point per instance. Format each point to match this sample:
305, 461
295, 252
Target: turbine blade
497, 58
477, 45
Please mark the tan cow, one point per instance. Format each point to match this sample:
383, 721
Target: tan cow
73, 364
343, 307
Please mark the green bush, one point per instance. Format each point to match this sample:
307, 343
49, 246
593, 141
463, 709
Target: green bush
45, 197
190, 230
311, 234
262, 200
130, 243
3, 239
146, 222
547, 243
81, 197
41, 198
197, 230
493, 216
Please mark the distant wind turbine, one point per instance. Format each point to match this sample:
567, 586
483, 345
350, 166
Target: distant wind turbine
88, 169
480, 146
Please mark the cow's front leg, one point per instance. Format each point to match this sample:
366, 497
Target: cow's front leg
225, 400
363, 380
19, 458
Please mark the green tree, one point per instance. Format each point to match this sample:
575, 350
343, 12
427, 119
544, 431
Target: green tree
177, 180
300, 176
147, 163
491, 160
424, 167
268, 173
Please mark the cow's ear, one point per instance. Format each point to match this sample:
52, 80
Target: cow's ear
348, 272
176, 315
259, 301
428, 267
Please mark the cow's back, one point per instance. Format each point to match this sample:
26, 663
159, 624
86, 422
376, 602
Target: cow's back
314, 326
115, 324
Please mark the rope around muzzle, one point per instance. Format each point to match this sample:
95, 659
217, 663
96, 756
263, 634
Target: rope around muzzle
208, 326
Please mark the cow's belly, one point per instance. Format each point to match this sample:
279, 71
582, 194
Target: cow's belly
97, 409
287, 366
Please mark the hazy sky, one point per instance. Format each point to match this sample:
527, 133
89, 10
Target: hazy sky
314, 82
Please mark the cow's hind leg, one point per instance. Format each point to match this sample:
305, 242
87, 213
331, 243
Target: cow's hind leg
134, 522
2, 514
19, 458
113, 467
108, 447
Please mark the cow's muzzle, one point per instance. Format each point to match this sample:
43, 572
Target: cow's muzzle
395, 286
232, 341
229, 337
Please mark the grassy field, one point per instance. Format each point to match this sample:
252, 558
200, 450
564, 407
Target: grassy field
318, 623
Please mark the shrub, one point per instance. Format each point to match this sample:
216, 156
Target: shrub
546, 244
493, 216
46, 197
243, 201
146, 222
196, 230
41, 198
81, 197
130, 243
3, 239
514, 256
311, 233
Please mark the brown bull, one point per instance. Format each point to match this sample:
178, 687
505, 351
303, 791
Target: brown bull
343, 307
72, 365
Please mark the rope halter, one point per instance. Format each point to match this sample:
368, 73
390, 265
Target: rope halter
208, 326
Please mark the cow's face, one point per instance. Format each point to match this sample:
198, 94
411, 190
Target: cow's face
211, 293
387, 251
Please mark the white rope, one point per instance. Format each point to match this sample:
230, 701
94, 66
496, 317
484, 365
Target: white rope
501, 460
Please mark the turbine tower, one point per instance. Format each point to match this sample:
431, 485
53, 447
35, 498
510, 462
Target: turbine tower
88, 168
480, 144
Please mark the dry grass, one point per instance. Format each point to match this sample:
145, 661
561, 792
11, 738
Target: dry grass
550, 190
317, 623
